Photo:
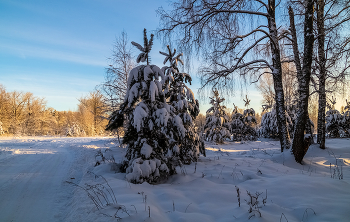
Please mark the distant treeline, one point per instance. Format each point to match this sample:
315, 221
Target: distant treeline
22, 113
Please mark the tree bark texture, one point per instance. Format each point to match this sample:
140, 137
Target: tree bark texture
308, 129
277, 79
298, 63
321, 119
295, 42
300, 145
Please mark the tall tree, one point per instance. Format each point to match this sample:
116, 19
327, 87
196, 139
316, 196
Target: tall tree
149, 135
333, 51
299, 145
115, 85
186, 108
214, 26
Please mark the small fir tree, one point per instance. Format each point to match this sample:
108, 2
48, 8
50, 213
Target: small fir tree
346, 119
334, 121
242, 126
186, 109
236, 124
149, 117
249, 120
74, 131
216, 125
269, 127
154, 127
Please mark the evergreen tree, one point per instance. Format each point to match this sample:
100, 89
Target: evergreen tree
74, 131
334, 121
346, 119
236, 124
269, 126
242, 126
186, 109
249, 121
217, 122
151, 142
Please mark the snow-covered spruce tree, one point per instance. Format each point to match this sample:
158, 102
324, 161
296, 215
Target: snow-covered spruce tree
346, 119
269, 127
249, 121
217, 122
242, 126
74, 131
148, 136
249, 124
334, 121
186, 109
236, 124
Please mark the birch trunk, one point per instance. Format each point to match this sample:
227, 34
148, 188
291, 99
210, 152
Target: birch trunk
321, 119
295, 42
300, 145
298, 63
277, 79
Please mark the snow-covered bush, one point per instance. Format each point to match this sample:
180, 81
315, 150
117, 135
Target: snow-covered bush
217, 122
269, 126
334, 124
186, 109
74, 130
159, 120
242, 126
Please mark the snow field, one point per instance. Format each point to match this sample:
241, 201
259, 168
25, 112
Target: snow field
206, 191
202, 191
33, 171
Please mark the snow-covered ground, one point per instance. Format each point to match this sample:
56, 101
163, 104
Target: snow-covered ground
34, 171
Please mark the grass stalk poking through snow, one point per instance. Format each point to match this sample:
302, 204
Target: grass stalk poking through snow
305, 213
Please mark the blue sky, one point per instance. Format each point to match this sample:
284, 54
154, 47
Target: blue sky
59, 49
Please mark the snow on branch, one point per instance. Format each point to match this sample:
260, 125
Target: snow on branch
147, 46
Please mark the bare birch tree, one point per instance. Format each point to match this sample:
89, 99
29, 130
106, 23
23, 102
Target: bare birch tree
115, 85
227, 33
333, 51
300, 145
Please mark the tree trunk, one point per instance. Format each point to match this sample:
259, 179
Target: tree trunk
295, 42
308, 130
298, 64
321, 119
277, 79
300, 145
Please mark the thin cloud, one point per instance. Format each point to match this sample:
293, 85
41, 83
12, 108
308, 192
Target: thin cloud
50, 36
25, 51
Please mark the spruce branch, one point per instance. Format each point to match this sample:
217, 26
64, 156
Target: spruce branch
147, 46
